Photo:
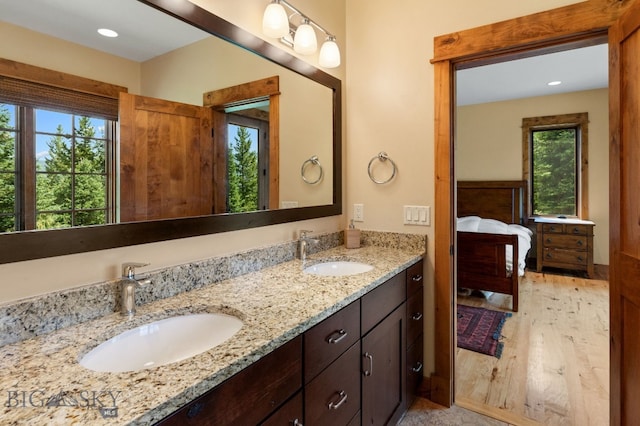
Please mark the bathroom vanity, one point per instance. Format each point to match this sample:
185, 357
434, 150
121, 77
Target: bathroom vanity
361, 347
319, 349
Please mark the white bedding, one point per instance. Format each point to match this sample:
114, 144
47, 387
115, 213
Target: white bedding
492, 226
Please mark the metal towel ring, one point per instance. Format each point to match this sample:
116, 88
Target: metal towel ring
313, 161
382, 156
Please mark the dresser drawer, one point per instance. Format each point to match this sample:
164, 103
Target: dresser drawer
333, 397
570, 242
415, 317
553, 256
329, 339
553, 228
415, 367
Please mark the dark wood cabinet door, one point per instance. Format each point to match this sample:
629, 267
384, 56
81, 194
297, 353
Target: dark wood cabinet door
383, 370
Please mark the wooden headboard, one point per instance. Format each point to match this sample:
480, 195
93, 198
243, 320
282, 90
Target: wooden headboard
492, 199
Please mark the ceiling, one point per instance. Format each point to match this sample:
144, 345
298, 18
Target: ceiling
144, 38
579, 69
77, 21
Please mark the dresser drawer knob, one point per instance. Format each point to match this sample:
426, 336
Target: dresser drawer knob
548, 256
580, 258
580, 243
342, 397
417, 316
337, 336
576, 230
548, 240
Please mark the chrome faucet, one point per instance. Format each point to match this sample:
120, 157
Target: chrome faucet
128, 285
303, 243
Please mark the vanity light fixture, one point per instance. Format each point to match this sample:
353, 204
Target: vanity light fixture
302, 38
107, 32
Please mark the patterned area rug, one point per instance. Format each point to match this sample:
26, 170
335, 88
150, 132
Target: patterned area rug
479, 329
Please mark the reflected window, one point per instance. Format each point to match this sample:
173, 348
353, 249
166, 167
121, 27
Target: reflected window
247, 164
54, 169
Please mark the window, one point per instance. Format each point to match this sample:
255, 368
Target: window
53, 169
247, 164
57, 150
555, 164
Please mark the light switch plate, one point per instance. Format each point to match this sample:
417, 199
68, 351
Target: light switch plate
417, 215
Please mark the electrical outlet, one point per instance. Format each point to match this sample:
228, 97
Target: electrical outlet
358, 212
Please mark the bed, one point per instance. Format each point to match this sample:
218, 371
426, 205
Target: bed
492, 243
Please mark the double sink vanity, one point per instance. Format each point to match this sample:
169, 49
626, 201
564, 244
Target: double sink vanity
336, 339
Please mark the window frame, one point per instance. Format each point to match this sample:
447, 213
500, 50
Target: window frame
580, 121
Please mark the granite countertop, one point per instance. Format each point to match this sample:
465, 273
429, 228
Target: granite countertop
43, 383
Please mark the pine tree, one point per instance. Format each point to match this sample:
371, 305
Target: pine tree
554, 160
7, 172
243, 174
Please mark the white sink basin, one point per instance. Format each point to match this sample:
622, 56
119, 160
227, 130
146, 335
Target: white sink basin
161, 342
338, 268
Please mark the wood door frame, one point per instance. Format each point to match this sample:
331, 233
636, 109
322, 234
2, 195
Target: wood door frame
558, 29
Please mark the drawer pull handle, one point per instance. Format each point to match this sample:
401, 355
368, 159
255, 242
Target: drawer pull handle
580, 258
580, 243
416, 278
417, 316
417, 368
548, 240
576, 230
341, 335
335, 405
296, 422
552, 228
548, 256
370, 358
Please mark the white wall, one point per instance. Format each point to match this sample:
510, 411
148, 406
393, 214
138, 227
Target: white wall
390, 99
489, 146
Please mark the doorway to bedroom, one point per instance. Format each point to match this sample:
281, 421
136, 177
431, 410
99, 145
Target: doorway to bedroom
553, 366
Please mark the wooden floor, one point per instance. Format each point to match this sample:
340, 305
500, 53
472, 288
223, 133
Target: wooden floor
554, 368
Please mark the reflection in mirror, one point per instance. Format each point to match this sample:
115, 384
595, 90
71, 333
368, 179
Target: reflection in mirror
309, 124
163, 176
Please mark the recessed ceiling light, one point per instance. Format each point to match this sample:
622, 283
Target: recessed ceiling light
107, 32
554, 83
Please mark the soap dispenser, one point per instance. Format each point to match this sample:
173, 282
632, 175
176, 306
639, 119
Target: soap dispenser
352, 237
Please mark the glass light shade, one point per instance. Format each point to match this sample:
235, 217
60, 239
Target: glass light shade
275, 22
304, 42
329, 54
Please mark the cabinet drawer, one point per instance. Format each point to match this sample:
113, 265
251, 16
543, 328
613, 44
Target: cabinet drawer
571, 242
578, 229
289, 414
570, 257
327, 340
333, 397
262, 387
415, 367
415, 317
415, 279
381, 301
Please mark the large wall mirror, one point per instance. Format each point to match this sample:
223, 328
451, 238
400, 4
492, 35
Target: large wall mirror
205, 54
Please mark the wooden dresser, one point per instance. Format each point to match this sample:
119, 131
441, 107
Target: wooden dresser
565, 243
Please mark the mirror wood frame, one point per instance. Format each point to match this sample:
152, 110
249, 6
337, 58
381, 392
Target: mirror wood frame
29, 245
